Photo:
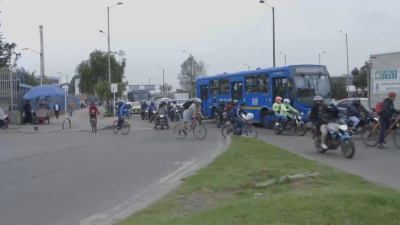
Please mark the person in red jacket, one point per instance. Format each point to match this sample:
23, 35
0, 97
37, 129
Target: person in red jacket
228, 106
92, 111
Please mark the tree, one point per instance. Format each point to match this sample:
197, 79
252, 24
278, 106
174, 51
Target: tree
355, 72
166, 88
95, 69
7, 52
338, 87
190, 70
103, 90
361, 80
71, 85
30, 79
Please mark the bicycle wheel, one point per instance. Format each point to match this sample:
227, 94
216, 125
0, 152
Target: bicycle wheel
177, 133
251, 131
94, 126
125, 127
370, 136
225, 130
200, 131
115, 127
396, 137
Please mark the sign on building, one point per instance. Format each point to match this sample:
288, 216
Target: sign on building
134, 87
77, 81
150, 87
386, 81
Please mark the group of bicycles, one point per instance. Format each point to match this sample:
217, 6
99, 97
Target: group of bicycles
370, 133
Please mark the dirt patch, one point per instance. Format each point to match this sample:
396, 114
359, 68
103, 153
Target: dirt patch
202, 199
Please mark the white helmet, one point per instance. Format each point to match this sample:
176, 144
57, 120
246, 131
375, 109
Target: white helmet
249, 116
286, 101
197, 100
318, 98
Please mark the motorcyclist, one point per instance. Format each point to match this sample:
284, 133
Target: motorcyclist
93, 110
143, 107
276, 107
322, 113
221, 108
163, 108
239, 117
353, 112
286, 109
174, 105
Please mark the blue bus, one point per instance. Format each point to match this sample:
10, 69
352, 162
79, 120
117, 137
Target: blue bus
139, 95
258, 89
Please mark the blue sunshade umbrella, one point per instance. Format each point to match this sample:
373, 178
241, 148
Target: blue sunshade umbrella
45, 90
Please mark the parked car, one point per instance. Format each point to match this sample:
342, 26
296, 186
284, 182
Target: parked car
345, 103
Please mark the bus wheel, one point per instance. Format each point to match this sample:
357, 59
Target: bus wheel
264, 120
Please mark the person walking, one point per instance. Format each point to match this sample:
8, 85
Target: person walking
386, 114
70, 107
57, 109
28, 112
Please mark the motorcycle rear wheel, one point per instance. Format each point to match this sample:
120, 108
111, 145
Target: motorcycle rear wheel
302, 129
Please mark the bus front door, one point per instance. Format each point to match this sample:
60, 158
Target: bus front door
204, 100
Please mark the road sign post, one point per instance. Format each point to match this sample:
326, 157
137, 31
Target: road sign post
114, 89
65, 88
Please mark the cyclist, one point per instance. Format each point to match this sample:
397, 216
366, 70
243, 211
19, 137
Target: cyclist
191, 110
387, 112
228, 106
121, 114
276, 107
239, 118
92, 111
221, 108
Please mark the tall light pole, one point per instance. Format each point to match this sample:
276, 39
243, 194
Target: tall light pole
192, 66
41, 55
66, 93
149, 79
41, 68
348, 73
320, 57
284, 56
248, 67
162, 80
273, 28
108, 34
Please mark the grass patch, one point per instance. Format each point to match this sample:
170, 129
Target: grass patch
224, 193
108, 114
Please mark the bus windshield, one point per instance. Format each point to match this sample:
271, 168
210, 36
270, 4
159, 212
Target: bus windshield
139, 97
309, 85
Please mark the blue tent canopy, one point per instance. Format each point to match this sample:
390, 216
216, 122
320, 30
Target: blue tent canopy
45, 90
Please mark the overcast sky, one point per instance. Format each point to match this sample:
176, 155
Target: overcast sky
225, 34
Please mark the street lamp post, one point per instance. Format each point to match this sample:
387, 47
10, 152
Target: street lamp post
320, 57
162, 80
41, 67
273, 28
149, 79
248, 67
284, 56
348, 73
66, 93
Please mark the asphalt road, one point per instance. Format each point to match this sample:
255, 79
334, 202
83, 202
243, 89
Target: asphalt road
66, 178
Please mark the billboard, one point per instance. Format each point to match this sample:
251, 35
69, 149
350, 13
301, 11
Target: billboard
77, 81
134, 87
150, 87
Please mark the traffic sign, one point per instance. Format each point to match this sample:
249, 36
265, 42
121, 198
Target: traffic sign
114, 88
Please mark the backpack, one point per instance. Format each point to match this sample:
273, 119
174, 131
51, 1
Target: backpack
187, 104
378, 107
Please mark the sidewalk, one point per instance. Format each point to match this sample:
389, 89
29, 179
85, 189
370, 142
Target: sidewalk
79, 122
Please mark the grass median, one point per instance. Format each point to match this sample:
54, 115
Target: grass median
225, 193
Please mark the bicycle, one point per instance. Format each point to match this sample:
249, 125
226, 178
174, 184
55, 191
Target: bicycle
125, 127
198, 129
371, 133
93, 123
250, 130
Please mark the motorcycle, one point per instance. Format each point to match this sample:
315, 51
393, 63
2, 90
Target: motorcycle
152, 116
177, 114
173, 113
217, 118
294, 125
337, 137
145, 114
4, 122
161, 121
368, 119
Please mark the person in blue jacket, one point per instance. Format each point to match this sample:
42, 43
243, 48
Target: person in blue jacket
121, 113
353, 112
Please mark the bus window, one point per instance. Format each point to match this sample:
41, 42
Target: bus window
250, 85
224, 86
214, 87
237, 90
263, 84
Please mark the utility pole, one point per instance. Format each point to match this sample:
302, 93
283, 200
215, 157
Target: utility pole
41, 55
109, 51
273, 29
348, 72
